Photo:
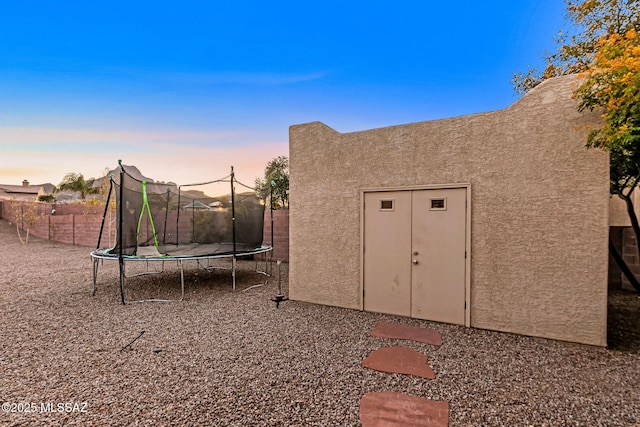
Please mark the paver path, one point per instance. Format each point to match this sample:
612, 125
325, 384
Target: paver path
388, 408
407, 332
378, 409
399, 360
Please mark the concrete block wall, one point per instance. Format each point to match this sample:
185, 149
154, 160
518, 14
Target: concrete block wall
43, 209
630, 255
74, 224
625, 241
80, 225
280, 233
615, 274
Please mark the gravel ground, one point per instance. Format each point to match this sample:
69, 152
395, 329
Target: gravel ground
232, 359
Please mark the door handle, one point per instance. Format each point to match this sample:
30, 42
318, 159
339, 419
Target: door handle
415, 262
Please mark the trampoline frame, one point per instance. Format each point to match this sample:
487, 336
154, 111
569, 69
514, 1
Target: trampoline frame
98, 256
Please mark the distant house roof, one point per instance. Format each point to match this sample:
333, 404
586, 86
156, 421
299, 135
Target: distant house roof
48, 188
21, 189
25, 191
21, 192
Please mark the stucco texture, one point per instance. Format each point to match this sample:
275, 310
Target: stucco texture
539, 209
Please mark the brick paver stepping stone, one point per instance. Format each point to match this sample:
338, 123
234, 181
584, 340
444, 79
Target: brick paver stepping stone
399, 360
388, 408
407, 332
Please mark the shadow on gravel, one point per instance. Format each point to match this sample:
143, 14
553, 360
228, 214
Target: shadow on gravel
623, 323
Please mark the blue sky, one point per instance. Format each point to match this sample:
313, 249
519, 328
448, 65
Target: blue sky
186, 89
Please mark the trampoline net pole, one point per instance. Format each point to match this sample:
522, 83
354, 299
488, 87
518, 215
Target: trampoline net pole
178, 217
233, 213
166, 216
270, 254
119, 231
233, 228
106, 209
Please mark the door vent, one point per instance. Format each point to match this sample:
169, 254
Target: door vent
387, 205
439, 204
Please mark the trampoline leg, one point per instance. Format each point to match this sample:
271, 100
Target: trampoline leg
122, 275
181, 281
233, 273
95, 275
279, 282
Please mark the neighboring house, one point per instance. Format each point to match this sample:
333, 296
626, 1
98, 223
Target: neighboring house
496, 221
48, 188
67, 196
24, 192
195, 205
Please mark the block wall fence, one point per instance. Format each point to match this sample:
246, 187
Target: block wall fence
74, 224
625, 241
280, 233
78, 224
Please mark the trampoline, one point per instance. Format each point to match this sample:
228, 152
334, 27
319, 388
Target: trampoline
162, 222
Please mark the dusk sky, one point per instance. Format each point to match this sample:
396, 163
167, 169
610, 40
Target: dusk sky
184, 90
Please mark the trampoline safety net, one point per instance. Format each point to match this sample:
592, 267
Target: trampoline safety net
157, 219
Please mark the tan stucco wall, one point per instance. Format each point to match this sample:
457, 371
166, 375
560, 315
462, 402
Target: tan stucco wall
539, 210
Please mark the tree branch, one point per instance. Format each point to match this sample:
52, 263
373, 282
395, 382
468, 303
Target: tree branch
623, 266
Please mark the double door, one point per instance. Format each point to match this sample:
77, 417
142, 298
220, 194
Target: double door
415, 253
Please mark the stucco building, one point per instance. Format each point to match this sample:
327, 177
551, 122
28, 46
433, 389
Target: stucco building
496, 220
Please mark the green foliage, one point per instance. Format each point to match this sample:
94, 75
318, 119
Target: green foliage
49, 198
604, 48
76, 182
276, 182
590, 21
211, 226
612, 84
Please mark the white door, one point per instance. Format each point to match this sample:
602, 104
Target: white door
414, 253
387, 275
